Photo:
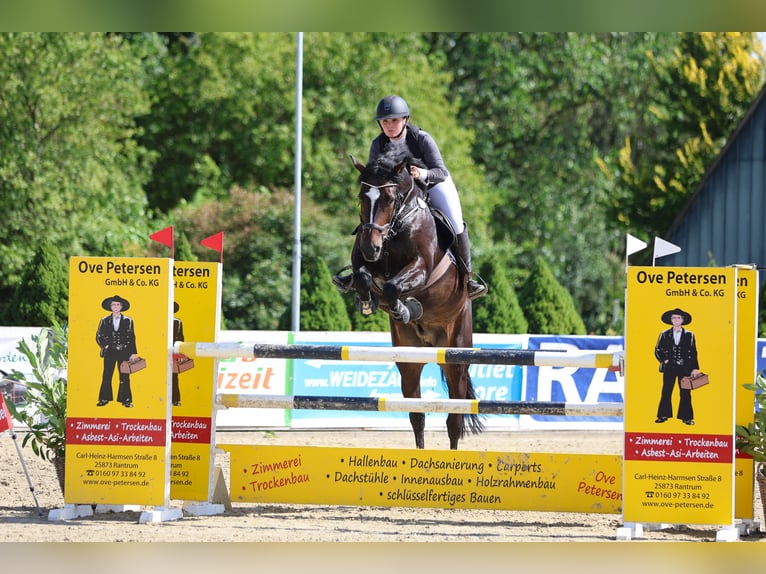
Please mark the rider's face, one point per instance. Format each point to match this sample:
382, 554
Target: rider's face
392, 127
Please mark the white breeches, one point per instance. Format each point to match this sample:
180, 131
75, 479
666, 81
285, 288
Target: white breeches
444, 197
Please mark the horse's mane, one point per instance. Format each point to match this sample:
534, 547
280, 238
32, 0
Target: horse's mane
384, 166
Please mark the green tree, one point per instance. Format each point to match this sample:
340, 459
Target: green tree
70, 170
322, 308
558, 143
213, 145
699, 92
257, 230
183, 250
543, 105
222, 116
41, 298
498, 311
547, 305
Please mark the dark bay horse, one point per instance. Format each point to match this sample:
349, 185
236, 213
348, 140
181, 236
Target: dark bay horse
401, 266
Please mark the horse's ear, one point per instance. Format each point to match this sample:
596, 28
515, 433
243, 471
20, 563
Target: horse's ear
402, 165
356, 163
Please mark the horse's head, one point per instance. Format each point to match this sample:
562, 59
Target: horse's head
385, 186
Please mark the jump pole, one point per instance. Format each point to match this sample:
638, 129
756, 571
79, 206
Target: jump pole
439, 355
410, 405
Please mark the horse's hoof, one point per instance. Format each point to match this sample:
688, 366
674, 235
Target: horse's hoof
366, 307
343, 283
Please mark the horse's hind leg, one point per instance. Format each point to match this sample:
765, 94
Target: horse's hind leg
410, 373
418, 422
454, 429
457, 383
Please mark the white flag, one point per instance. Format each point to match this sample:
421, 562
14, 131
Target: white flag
633, 245
662, 248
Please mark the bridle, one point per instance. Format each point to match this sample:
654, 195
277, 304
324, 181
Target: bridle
399, 217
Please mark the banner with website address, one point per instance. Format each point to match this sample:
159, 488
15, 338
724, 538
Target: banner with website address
747, 331
679, 445
370, 379
118, 389
270, 376
573, 385
196, 316
253, 376
381, 379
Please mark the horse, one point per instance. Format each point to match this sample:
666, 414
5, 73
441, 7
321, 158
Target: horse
402, 265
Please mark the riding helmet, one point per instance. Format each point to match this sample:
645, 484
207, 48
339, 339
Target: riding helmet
392, 107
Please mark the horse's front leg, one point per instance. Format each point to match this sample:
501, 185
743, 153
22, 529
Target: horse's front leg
411, 277
366, 303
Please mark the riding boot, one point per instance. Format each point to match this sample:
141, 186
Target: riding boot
463, 253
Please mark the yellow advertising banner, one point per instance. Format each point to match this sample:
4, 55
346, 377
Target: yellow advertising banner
747, 343
426, 478
679, 443
196, 317
117, 437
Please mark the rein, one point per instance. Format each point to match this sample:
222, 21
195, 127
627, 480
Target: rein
391, 228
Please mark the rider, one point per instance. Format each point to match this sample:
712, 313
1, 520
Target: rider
393, 116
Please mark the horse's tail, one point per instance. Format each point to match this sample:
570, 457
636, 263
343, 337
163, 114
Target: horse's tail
472, 422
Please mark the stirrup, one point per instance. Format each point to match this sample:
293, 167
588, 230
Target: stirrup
344, 283
476, 287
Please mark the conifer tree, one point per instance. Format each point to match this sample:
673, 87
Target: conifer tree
498, 311
548, 307
41, 298
183, 250
322, 307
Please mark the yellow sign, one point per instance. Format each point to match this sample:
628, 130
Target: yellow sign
196, 305
679, 444
426, 478
747, 329
118, 438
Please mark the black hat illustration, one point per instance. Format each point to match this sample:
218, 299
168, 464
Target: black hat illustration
107, 303
176, 307
667, 314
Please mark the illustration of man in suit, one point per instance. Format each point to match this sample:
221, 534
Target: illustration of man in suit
178, 335
676, 350
116, 336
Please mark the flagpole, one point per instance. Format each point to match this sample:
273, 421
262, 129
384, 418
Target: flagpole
6, 423
296, 295
26, 472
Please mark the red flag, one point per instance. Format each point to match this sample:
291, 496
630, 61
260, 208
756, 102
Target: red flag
214, 242
164, 236
6, 422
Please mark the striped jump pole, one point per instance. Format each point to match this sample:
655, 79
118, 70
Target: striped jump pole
440, 355
410, 405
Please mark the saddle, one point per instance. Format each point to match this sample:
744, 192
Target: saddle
445, 234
